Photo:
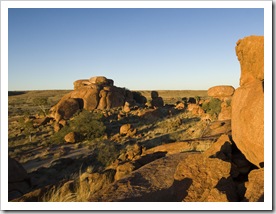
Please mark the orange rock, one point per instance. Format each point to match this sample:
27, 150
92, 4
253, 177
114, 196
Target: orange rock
255, 186
205, 179
225, 113
71, 137
248, 121
250, 53
221, 91
81, 83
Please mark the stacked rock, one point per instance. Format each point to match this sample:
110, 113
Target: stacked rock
94, 93
224, 93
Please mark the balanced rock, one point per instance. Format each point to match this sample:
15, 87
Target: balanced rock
221, 91
250, 53
248, 101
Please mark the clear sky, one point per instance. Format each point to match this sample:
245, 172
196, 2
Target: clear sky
150, 49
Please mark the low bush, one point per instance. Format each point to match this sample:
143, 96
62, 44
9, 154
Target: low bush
88, 124
107, 152
213, 107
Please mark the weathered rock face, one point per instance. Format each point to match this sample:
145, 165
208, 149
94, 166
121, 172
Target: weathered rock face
226, 110
248, 101
95, 93
250, 53
204, 184
19, 181
255, 186
154, 182
195, 109
221, 91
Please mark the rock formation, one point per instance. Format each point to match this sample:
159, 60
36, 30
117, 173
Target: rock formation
248, 100
19, 181
94, 93
221, 91
250, 53
224, 93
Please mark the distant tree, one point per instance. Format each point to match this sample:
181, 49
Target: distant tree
41, 102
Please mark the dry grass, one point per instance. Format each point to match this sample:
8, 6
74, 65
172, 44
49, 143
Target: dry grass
60, 194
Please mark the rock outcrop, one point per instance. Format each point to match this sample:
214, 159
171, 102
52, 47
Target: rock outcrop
94, 93
19, 181
248, 100
255, 186
250, 53
204, 184
224, 93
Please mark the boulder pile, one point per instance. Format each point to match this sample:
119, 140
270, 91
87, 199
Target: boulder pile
89, 94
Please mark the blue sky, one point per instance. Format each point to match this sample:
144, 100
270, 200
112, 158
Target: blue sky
140, 49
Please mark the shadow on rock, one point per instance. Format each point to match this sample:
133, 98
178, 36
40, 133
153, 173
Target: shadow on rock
175, 193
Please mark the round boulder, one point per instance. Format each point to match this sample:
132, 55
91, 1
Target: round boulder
221, 91
72, 137
127, 129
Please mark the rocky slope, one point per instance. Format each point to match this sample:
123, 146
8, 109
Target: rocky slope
215, 156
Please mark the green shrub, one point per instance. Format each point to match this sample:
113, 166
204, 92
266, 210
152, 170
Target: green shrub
58, 137
88, 124
213, 107
107, 153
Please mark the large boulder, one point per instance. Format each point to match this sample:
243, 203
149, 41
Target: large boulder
221, 91
248, 121
248, 101
66, 109
250, 53
205, 179
19, 181
153, 182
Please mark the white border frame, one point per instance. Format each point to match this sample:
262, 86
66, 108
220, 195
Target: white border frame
266, 205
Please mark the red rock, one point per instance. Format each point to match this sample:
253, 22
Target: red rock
248, 121
226, 111
250, 53
255, 186
203, 183
221, 91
